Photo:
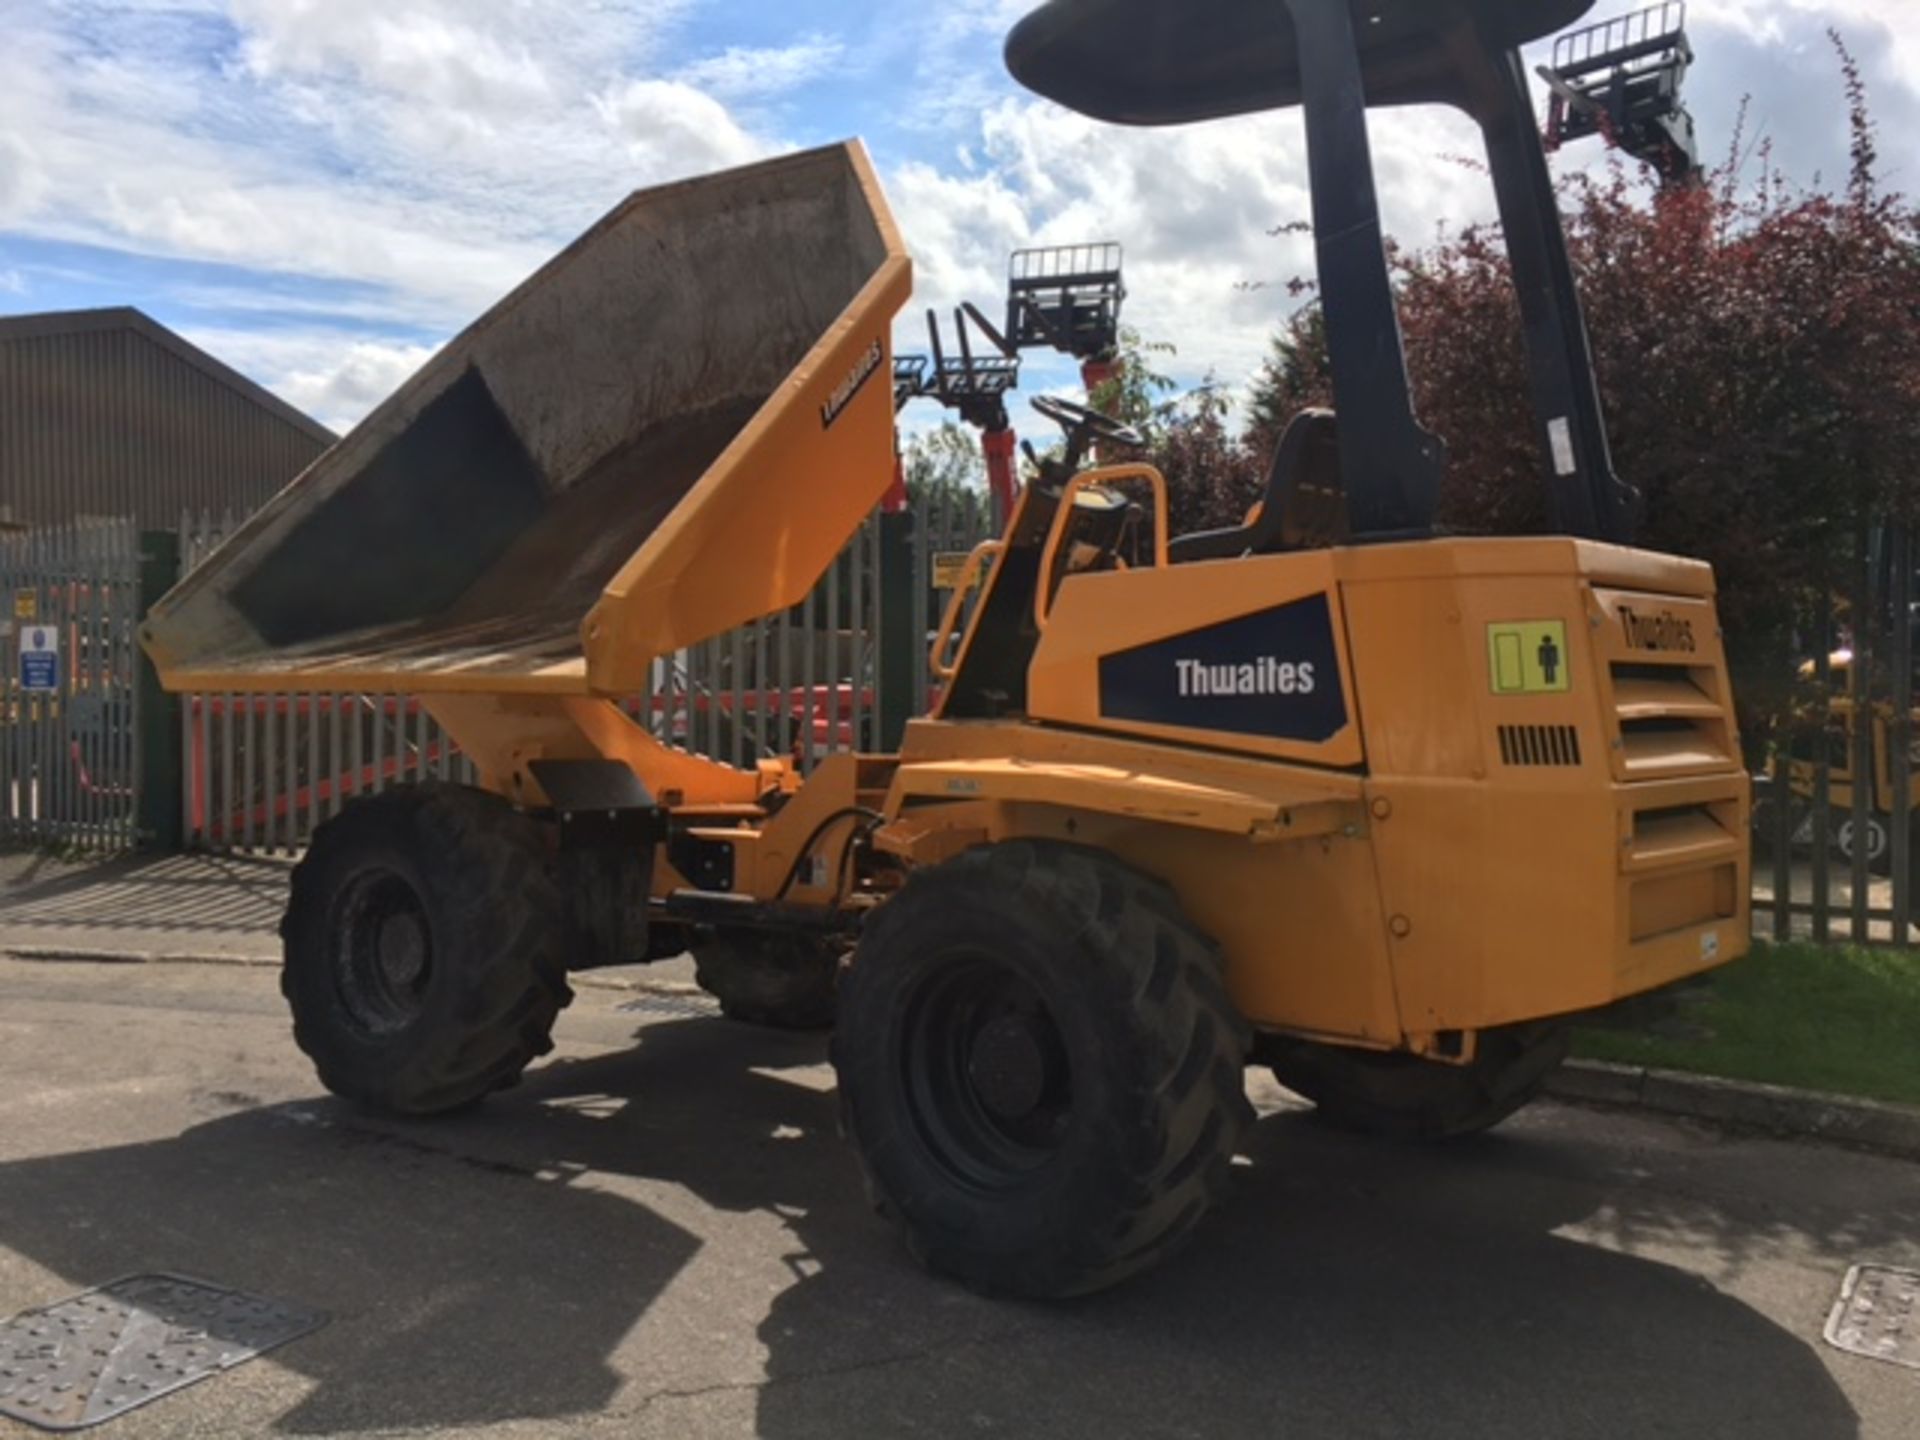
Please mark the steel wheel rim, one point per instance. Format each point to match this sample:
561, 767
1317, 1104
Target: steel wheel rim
383, 961
985, 1072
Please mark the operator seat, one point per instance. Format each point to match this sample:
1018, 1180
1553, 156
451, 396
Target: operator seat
1305, 506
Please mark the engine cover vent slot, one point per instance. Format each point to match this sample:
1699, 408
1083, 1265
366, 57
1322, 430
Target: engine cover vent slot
1533, 745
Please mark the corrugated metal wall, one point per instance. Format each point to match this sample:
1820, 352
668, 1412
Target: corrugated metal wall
103, 419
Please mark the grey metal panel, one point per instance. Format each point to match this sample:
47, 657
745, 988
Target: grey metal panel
96, 1356
105, 414
68, 762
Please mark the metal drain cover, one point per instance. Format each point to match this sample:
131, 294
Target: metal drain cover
672, 1006
86, 1360
1878, 1315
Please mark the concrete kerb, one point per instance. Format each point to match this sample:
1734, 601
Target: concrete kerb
1744, 1105
77, 955
60, 954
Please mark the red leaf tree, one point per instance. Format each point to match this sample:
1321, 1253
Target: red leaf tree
1758, 349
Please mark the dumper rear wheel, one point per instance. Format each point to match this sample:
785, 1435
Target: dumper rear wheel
425, 949
1409, 1098
784, 982
1041, 1069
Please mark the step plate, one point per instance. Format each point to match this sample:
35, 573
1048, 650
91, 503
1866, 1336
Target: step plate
1878, 1315
86, 1360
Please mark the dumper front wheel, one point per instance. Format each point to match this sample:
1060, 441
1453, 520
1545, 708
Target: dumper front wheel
1408, 1098
425, 949
783, 982
1041, 1069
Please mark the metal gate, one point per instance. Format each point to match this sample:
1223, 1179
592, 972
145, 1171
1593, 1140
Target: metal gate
1837, 805
69, 710
948, 522
259, 772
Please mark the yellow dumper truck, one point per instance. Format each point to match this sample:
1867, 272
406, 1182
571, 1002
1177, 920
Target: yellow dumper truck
1336, 793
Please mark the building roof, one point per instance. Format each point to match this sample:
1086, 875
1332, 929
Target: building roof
126, 317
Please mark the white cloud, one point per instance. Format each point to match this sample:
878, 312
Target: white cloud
481, 56
432, 52
749, 72
1194, 207
12, 282
293, 301
669, 127
21, 182
1783, 66
333, 376
430, 153
953, 54
343, 386
440, 149
1778, 21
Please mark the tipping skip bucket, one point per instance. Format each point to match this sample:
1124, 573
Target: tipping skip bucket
669, 430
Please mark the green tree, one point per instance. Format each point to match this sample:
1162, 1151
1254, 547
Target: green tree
1139, 394
945, 460
1295, 375
946, 475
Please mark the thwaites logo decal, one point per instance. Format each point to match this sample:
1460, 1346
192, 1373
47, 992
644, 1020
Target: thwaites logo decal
1273, 673
1661, 630
864, 369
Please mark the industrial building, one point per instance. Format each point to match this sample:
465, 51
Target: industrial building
108, 414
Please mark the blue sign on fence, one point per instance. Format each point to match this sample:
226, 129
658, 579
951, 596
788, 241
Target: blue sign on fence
39, 658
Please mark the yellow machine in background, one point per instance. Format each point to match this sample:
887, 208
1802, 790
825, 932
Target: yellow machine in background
1379, 808
1839, 748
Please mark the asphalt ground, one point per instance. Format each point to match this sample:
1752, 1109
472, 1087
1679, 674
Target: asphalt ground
660, 1233
222, 908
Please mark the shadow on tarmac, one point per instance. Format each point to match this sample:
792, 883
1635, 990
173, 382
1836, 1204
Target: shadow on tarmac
186, 896
1350, 1289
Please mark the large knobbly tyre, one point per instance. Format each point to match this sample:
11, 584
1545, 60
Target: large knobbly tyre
784, 982
425, 949
1407, 1098
1040, 1068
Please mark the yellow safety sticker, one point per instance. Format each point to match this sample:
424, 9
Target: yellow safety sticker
948, 567
1528, 657
26, 604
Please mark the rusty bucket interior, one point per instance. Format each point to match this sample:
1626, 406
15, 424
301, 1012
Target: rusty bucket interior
673, 416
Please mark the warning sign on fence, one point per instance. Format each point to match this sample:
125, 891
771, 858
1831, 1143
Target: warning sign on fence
39, 658
26, 604
948, 570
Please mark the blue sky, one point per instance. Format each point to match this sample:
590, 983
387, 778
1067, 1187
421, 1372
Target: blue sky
321, 191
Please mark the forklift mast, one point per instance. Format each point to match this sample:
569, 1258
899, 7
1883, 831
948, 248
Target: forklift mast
1145, 62
974, 383
1622, 79
1068, 298
971, 381
1065, 298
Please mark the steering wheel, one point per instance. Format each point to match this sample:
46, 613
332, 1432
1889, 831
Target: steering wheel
1083, 423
